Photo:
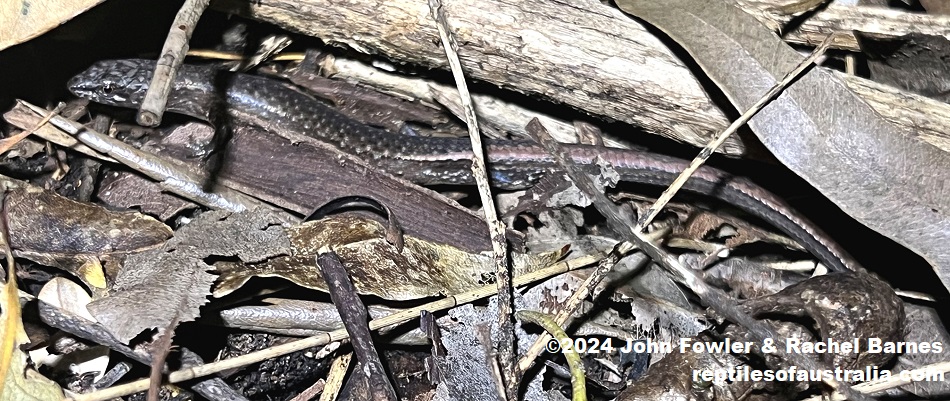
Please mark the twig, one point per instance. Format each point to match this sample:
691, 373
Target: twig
51, 134
214, 388
114, 375
170, 60
337, 335
711, 147
578, 381
172, 178
160, 349
506, 325
710, 296
9, 142
354, 316
335, 378
311, 392
223, 55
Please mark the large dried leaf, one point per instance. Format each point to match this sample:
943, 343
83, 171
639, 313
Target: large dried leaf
822, 131
45, 223
159, 286
17, 382
421, 269
23, 20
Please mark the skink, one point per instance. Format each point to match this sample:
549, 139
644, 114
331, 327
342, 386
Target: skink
428, 161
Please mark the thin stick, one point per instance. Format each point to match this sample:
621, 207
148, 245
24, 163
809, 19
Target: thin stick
554, 330
354, 316
19, 119
711, 147
170, 60
7, 143
338, 370
171, 177
312, 391
506, 324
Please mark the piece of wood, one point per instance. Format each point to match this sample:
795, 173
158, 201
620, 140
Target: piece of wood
583, 53
300, 177
844, 20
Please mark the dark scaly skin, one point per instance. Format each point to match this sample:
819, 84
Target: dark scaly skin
512, 164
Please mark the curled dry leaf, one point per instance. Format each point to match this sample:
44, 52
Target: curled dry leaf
17, 381
701, 224
51, 229
422, 269
26, 19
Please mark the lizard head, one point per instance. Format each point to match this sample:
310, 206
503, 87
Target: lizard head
114, 82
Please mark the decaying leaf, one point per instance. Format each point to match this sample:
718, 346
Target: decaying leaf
17, 382
176, 274
818, 128
57, 231
26, 19
701, 224
672, 378
422, 269
123, 189
916, 63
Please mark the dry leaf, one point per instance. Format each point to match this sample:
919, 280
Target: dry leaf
18, 382
701, 223
158, 286
23, 20
51, 229
422, 269
126, 190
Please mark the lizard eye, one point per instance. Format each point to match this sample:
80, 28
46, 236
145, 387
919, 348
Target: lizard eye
108, 87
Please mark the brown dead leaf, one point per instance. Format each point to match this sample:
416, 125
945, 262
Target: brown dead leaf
701, 224
124, 189
23, 20
17, 381
45, 223
56, 231
157, 286
422, 269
